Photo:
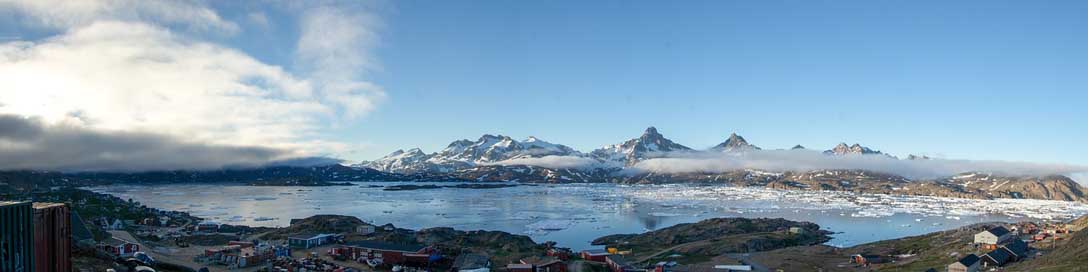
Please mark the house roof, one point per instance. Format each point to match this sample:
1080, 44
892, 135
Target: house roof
387, 246
471, 261
619, 260
1017, 248
518, 265
540, 261
969, 260
998, 256
998, 231
596, 252
116, 242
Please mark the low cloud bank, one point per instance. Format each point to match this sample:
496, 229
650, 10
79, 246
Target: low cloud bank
804, 160
560, 162
1081, 178
29, 143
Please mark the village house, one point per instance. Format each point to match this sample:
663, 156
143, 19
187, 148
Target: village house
994, 236
119, 247
596, 255
309, 240
1017, 248
969, 263
376, 253
796, 230
365, 229
617, 263
107, 224
995, 258
546, 264
207, 226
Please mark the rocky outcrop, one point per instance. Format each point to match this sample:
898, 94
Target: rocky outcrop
714, 237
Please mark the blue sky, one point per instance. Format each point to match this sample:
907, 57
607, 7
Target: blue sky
1000, 80
972, 79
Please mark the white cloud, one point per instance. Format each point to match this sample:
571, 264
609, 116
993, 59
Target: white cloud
119, 67
137, 77
1081, 177
63, 14
334, 47
558, 162
804, 160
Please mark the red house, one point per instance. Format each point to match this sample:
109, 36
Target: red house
596, 255
119, 247
386, 253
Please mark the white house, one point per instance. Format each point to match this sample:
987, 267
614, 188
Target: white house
365, 229
994, 236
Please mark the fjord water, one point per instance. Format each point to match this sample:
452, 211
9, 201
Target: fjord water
575, 214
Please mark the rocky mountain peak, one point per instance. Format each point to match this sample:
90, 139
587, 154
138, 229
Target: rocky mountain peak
651, 134
856, 149
735, 143
796, 147
649, 145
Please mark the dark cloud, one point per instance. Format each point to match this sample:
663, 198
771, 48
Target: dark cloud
28, 143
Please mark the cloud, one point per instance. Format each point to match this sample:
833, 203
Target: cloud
62, 14
334, 47
120, 68
558, 162
805, 160
30, 143
1081, 177
141, 78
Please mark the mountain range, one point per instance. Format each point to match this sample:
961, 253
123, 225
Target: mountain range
500, 158
503, 150
497, 158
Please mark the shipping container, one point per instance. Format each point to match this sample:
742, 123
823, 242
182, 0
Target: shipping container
16, 237
52, 237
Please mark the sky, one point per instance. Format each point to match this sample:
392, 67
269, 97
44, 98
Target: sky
270, 80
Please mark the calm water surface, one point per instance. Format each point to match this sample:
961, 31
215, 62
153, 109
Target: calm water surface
571, 215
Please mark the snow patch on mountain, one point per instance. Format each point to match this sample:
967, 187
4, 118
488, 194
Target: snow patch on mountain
560, 162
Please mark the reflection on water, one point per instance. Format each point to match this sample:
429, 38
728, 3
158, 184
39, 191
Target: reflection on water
571, 214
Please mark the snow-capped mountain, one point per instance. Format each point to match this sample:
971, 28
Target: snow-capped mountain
650, 145
856, 149
463, 154
735, 143
494, 148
